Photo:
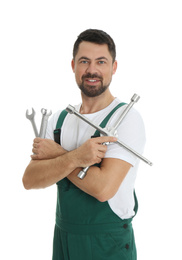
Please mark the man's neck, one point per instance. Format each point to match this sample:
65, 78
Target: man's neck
95, 104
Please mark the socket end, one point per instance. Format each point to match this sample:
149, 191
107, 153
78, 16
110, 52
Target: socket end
81, 175
150, 163
135, 98
70, 109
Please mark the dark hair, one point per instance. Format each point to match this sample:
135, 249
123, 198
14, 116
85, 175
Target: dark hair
98, 37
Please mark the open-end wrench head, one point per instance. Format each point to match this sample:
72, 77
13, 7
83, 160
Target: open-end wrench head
30, 116
135, 98
50, 113
44, 112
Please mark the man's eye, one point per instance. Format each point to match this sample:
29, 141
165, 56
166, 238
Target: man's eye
84, 61
101, 62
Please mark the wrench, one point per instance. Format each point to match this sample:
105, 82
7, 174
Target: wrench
31, 118
44, 122
70, 109
112, 130
134, 99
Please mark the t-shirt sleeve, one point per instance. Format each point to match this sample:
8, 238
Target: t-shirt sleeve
131, 132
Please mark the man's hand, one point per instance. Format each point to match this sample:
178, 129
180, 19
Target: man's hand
92, 151
51, 163
46, 149
89, 153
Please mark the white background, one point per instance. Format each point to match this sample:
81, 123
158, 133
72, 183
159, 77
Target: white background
36, 39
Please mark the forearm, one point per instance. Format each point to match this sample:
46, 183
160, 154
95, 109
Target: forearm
90, 184
102, 183
44, 173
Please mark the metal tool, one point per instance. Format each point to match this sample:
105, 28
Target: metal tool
83, 172
44, 122
113, 130
31, 118
134, 99
43, 127
104, 131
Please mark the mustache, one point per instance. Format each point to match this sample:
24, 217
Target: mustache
91, 76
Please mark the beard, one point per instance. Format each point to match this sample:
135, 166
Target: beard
92, 91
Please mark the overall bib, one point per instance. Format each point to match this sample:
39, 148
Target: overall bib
87, 229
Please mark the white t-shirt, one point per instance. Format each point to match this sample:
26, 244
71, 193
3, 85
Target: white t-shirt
75, 132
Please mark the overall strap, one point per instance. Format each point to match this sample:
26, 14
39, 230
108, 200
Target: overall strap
136, 203
106, 119
57, 131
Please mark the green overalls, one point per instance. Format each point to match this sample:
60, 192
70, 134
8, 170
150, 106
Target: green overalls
87, 229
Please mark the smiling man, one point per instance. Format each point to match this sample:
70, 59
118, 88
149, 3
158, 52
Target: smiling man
93, 215
94, 71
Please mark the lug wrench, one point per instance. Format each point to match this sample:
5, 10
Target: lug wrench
31, 118
112, 130
134, 99
70, 109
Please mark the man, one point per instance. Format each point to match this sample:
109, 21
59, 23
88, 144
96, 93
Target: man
93, 215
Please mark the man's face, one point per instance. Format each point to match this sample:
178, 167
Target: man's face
93, 67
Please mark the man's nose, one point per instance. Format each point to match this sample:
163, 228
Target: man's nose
92, 68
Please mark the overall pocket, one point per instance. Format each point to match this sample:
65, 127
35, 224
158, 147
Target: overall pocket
123, 243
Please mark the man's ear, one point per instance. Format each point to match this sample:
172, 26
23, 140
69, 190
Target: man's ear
73, 65
115, 65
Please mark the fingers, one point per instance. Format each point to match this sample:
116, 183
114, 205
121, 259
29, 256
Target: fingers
102, 143
100, 155
105, 139
35, 148
37, 140
34, 157
35, 145
102, 147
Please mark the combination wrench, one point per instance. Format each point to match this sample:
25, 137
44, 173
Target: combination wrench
106, 132
44, 122
32, 120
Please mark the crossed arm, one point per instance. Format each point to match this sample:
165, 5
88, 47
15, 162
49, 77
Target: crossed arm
51, 163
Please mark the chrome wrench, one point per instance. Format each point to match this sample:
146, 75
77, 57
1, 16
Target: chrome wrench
70, 109
43, 127
134, 99
32, 120
112, 130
